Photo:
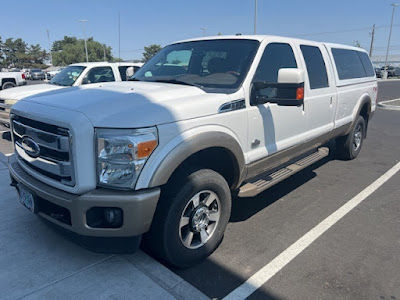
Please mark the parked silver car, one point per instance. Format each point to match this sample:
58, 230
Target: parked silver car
37, 74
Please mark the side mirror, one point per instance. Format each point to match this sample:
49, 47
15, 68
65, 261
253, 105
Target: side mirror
129, 72
294, 76
288, 91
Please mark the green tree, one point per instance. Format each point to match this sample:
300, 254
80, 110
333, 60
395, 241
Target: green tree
16, 53
150, 51
72, 50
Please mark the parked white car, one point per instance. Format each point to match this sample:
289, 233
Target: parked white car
205, 118
73, 75
51, 74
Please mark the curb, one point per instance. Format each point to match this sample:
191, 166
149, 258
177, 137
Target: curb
386, 105
164, 277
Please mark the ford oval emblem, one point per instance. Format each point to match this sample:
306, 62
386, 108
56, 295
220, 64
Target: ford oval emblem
30, 147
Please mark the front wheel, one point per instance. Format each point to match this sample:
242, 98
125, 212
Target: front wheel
191, 218
349, 146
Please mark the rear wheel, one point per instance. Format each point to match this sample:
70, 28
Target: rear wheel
191, 218
349, 146
8, 85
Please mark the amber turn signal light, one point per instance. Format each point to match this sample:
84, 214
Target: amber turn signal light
300, 93
144, 149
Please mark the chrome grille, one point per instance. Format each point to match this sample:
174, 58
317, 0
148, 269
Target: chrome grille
54, 158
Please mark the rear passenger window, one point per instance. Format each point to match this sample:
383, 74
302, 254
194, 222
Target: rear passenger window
276, 56
316, 68
369, 70
348, 64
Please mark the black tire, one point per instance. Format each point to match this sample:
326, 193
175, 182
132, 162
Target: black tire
166, 237
348, 147
8, 85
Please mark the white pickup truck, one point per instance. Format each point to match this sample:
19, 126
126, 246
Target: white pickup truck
11, 79
205, 119
73, 75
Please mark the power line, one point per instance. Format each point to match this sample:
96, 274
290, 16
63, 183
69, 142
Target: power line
384, 47
135, 50
344, 31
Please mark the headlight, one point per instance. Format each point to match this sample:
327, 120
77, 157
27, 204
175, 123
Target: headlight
122, 154
10, 101
7, 104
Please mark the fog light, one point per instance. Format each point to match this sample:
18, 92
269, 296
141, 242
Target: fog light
104, 217
113, 216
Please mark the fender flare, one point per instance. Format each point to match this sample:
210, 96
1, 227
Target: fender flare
194, 144
365, 99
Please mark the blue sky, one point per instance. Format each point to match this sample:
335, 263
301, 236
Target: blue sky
162, 22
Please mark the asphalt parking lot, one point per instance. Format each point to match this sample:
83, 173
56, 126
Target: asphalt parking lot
356, 257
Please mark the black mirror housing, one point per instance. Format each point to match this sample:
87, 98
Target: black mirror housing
284, 94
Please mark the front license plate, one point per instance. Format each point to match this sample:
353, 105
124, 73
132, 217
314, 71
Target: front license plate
27, 199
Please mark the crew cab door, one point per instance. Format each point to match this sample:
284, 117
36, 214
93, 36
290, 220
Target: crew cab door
272, 127
320, 91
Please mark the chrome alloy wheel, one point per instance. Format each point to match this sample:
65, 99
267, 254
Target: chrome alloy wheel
199, 219
357, 137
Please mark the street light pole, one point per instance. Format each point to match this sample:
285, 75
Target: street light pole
48, 38
255, 16
390, 34
84, 36
204, 30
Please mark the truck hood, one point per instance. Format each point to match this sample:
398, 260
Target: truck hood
18, 93
131, 104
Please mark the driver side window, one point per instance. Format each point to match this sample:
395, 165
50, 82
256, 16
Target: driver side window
100, 74
276, 56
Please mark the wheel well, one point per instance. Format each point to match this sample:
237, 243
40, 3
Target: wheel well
364, 112
7, 80
218, 159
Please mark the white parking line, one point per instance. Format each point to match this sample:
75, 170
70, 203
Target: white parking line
8, 154
268, 271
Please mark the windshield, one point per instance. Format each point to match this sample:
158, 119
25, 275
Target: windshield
67, 76
206, 64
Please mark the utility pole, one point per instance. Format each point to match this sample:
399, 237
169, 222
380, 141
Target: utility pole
84, 36
48, 38
119, 37
390, 34
104, 50
255, 16
372, 41
204, 30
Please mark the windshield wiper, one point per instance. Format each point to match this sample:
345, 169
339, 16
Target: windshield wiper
176, 81
133, 79
55, 83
